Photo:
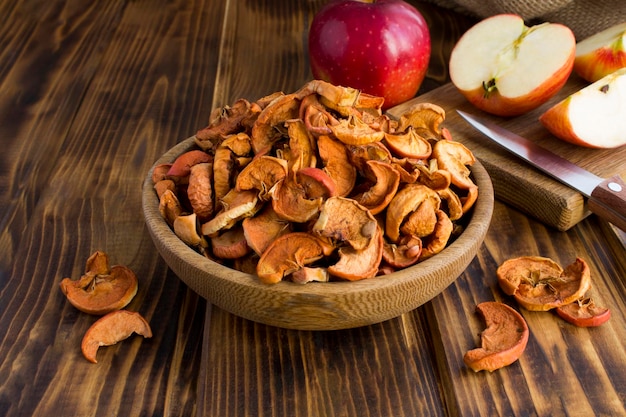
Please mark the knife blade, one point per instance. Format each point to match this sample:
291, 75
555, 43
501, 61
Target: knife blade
606, 197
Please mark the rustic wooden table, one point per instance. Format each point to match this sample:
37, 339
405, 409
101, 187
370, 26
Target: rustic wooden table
91, 93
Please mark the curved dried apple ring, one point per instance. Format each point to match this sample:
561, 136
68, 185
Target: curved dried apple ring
584, 313
338, 95
261, 230
355, 265
404, 253
424, 117
409, 144
502, 342
261, 174
455, 158
438, 240
539, 284
406, 201
264, 132
181, 167
287, 254
353, 131
302, 152
345, 221
291, 203
112, 328
386, 180
337, 164
101, 289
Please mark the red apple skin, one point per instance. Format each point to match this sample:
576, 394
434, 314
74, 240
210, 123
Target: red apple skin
381, 48
494, 103
584, 316
608, 54
597, 64
557, 118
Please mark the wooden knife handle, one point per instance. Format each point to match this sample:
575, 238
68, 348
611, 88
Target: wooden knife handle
608, 200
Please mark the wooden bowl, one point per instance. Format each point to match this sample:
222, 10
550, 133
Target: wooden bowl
317, 306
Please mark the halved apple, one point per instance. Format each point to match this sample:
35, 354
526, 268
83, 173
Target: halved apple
506, 68
601, 54
593, 116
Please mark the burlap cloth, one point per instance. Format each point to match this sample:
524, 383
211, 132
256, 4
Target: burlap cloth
584, 17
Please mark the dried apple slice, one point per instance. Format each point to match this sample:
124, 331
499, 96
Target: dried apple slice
302, 152
437, 241
186, 228
386, 180
345, 221
316, 183
264, 132
231, 244
200, 190
288, 254
502, 342
315, 116
409, 144
406, 201
431, 176
403, 254
423, 117
261, 174
340, 96
101, 289
306, 274
539, 284
223, 172
225, 121
290, 202
182, 165
584, 313
261, 230
112, 328
169, 206
353, 131
237, 206
355, 265
337, 164
455, 157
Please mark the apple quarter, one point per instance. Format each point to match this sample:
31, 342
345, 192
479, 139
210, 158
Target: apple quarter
594, 116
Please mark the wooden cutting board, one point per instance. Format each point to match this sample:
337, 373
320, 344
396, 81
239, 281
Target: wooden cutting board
515, 182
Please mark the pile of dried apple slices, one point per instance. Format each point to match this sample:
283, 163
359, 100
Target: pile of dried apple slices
318, 185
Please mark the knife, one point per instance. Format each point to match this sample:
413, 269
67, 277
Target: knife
606, 197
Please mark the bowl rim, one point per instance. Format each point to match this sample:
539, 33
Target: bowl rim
468, 241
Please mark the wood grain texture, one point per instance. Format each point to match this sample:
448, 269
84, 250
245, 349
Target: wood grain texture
91, 93
86, 88
252, 369
564, 370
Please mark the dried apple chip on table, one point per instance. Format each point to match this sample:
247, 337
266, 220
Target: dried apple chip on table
102, 288
584, 313
540, 284
502, 342
111, 329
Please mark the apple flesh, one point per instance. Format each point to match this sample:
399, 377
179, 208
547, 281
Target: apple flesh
379, 47
506, 68
601, 54
594, 116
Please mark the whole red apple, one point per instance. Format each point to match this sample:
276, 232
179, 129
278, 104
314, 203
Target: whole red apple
379, 47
